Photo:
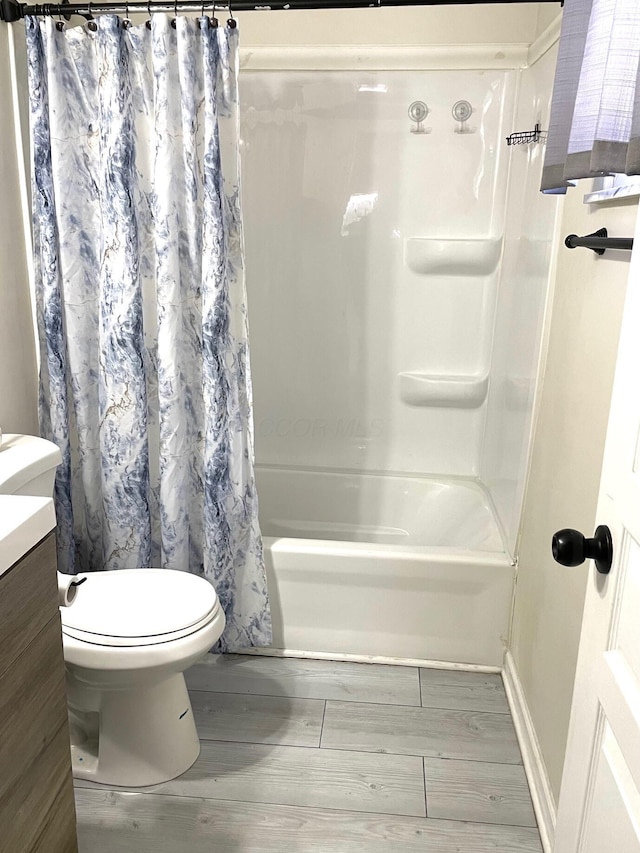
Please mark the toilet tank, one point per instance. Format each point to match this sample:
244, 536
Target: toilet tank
28, 465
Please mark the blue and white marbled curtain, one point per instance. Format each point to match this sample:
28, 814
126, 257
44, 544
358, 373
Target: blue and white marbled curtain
141, 302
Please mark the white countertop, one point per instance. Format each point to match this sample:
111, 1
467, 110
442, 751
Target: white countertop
24, 521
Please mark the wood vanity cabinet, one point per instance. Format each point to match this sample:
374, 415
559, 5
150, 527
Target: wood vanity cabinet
37, 811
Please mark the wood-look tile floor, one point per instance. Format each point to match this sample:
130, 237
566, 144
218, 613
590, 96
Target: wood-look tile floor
322, 757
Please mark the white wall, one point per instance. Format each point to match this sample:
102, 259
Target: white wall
494, 23
547, 13
521, 306
18, 386
565, 470
418, 25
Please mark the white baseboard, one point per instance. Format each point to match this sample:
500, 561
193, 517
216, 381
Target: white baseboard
543, 800
389, 661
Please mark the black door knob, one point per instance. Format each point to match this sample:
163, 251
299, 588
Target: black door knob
570, 548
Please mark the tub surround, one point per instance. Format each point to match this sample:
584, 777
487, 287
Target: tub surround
371, 327
530, 245
395, 337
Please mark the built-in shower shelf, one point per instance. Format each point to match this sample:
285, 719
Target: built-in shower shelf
455, 392
440, 256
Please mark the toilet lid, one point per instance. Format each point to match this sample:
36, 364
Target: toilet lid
136, 603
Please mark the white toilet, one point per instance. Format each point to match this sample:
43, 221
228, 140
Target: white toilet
128, 637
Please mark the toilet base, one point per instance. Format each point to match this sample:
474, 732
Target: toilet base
132, 737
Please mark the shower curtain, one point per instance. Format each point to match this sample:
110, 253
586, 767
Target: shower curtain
141, 304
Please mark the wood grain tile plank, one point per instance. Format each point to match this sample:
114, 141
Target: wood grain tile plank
478, 791
300, 776
310, 679
435, 732
112, 822
257, 719
465, 691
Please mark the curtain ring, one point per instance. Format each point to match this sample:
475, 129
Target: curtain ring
91, 24
231, 23
126, 23
148, 23
214, 20
204, 20
59, 22
174, 23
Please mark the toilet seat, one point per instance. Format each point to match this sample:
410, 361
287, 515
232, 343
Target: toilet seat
139, 607
150, 640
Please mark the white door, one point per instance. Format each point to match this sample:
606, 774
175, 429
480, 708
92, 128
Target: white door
599, 808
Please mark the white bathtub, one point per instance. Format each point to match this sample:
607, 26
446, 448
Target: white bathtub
384, 566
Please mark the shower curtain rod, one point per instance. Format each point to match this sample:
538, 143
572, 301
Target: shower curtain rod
11, 10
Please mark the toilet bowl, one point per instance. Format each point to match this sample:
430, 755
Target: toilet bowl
128, 638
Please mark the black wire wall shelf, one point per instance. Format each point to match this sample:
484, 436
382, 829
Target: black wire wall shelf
599, 242
527, 136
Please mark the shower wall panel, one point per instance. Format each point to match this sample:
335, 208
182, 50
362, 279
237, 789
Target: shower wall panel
373, 256
529, 246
